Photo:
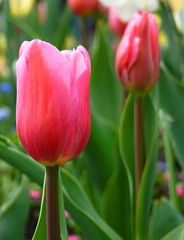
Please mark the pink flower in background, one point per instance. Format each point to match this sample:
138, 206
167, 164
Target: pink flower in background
52, 111
83, 7
138, 54
36, 195
115, 23
67, 215
73, 237
180, 190
166, 176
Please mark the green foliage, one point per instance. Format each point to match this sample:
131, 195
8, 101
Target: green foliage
76, 201
98, 190
14, 212
160, 225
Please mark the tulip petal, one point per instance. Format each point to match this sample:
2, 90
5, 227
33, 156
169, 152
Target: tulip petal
80, 132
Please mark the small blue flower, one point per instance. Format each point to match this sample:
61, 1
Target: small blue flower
5, 87
161, 166
5, 113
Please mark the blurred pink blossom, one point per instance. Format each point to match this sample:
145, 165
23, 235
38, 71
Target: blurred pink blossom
73, 237
36, 195
180, 190
166, 176
67, 215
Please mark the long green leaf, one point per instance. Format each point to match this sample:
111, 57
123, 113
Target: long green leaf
99, 158
118, 187
171, 101
106, 90
147, 180
40, 232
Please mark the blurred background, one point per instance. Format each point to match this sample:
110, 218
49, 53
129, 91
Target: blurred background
54, 21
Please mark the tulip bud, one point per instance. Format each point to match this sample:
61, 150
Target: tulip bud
83, 7
115, 23
52, 111
138, 54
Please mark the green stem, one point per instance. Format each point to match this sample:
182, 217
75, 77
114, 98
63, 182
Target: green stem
52, 203
139, 147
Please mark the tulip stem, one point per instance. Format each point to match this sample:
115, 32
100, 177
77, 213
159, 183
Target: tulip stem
139, 145
52, 203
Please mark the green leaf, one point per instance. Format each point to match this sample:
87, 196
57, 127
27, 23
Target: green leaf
112, 207
177, 233
171, 101
54, 12
164, 218
174, 52
40, 232
63, 27
77, 203
63, 226
106, 90
148, 177
21, 161
14, 212
75, 199
126, 141
99, 159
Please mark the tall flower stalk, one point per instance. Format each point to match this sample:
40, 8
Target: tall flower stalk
137, 66
52, 112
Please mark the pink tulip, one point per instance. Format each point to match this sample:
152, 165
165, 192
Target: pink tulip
52, 112
115, 23
83, 7
138, 54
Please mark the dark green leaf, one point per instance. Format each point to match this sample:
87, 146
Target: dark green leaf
176, 234
171, 101
116, 200
106, 91
164, 218
14, 213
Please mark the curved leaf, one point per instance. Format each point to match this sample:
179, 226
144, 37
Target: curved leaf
147, 180
177, 233
76, 200
159, 225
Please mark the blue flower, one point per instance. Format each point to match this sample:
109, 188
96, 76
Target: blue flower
161, 166
5, 113
5, 87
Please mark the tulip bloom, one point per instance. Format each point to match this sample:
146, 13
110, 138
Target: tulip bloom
138, 54
115, 23
83, 7
52, 111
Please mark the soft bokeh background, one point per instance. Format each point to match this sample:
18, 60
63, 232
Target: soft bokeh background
96, 188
